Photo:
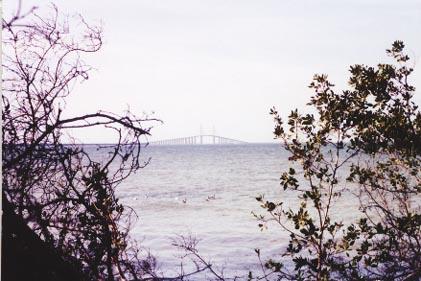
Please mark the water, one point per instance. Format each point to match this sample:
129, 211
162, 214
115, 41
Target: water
209, 192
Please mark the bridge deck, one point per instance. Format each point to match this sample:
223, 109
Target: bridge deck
198, 139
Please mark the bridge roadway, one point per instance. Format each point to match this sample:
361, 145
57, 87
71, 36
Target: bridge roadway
199, 139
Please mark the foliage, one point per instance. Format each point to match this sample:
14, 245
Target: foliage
65, 195
372, 134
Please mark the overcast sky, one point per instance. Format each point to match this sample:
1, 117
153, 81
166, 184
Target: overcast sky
224, 63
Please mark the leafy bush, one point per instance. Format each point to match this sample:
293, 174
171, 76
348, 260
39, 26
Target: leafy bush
372, 134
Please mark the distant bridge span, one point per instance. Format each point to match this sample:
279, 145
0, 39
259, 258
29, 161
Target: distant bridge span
199, 139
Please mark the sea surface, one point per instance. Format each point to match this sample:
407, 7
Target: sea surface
209, 192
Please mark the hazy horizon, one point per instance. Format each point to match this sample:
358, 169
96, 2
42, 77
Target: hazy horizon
224, 64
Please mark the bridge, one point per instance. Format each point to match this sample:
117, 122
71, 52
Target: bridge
199, 139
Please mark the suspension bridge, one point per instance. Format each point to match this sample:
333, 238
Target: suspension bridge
198, 139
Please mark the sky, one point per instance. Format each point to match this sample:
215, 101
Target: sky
220, 65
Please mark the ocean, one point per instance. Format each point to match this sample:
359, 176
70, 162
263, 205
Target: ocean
209, 192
